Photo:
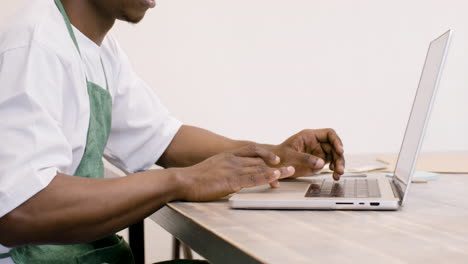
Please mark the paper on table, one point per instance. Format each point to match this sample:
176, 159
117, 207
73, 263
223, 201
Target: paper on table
452, 162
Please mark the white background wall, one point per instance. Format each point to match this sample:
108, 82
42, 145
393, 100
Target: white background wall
265, 69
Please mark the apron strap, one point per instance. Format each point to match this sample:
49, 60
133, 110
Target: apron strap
4, 255
72, 35
67, 22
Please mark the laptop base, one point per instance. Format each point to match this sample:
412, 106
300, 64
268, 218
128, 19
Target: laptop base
293, 194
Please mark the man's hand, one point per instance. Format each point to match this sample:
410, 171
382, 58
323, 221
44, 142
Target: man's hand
309, 150
229, 172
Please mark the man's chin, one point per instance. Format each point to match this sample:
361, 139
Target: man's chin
134, 19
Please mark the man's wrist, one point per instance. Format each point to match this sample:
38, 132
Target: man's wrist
178, 183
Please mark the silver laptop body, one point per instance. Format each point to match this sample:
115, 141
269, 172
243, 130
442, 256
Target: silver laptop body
373, 191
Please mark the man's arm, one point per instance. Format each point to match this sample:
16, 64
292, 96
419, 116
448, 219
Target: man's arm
73, 209
192, 145
307, 151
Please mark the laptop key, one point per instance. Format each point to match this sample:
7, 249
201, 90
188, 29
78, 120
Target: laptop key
337, 189
326, 188
350, 188
314, 189
373, 186
361, 188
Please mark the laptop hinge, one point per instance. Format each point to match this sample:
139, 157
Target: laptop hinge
396, 190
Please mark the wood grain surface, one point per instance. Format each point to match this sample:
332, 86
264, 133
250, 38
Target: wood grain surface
432, 227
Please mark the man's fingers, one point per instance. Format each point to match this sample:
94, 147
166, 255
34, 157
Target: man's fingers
262, 170
251, 162
329, 136
310, 161
259, 175
335, 140
254, 179
287, 172
274, 184
327, 149
254, 150
338, 165
337, 162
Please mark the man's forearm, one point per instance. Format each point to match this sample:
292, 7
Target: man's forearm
73, 209
192, 145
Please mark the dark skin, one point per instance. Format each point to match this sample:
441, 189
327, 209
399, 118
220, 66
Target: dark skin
200, 165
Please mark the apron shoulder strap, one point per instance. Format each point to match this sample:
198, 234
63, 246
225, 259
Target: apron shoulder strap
67, 22
72, 35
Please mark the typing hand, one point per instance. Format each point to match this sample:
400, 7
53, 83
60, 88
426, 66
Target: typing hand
309, 150
229, 172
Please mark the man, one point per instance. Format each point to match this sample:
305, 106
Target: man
68, 97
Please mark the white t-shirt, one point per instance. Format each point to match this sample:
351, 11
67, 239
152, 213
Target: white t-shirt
44, 105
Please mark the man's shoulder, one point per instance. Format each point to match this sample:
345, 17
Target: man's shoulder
38, 25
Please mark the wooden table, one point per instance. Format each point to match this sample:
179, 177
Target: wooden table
432, 227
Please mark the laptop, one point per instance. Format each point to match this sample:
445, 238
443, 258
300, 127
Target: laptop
372, 191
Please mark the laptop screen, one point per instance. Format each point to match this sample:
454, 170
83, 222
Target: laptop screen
420, 112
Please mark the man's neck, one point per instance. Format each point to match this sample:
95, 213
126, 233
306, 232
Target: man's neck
89, 19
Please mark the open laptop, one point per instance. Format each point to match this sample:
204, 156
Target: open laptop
371, 191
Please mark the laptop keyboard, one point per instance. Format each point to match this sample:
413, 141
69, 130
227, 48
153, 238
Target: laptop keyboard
347, 188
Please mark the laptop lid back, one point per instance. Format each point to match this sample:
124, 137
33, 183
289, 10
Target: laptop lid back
420, 113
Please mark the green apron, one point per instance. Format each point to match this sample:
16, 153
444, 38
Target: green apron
110, 250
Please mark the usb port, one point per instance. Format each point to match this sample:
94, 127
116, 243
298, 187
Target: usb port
374, 204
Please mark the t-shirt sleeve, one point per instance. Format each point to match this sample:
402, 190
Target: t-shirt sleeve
142, 128
33, 148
